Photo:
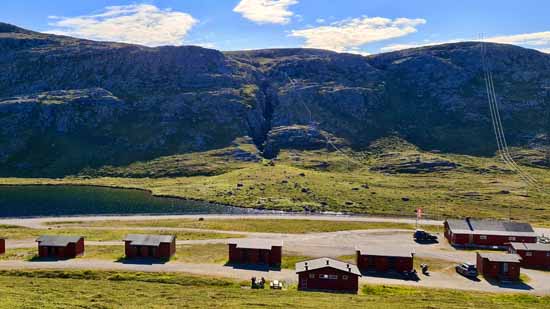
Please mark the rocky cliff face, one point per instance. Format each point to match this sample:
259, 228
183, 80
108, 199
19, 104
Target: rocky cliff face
68, 104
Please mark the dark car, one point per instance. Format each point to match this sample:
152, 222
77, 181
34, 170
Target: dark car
467, 270
423, 236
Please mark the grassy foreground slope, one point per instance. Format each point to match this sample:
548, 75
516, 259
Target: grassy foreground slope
92, 289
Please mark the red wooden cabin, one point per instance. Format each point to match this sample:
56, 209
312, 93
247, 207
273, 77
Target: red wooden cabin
60, 247
256, 251
2, 246
532, 255
384, 260
149, 246
325, 274
487, 233
499, 266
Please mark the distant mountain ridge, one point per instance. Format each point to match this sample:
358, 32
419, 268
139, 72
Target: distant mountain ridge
68, 104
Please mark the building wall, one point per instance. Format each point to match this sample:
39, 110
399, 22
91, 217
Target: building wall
163, 251
311, 280
383, 263
2, 246
255, 256
276, 255
536, 259
494, 269
167, 250
79, 248
72, 250
484, 240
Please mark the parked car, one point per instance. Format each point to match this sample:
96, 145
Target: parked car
467, 270
421, 235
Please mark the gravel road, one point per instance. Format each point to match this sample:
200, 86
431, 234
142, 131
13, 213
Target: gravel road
330, 244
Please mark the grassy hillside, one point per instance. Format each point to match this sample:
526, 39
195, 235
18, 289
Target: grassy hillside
391, 178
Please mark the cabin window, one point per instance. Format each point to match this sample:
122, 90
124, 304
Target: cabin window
311, 276
323, 276
333, 277
482, 237
512, 238
528, 253
344, 277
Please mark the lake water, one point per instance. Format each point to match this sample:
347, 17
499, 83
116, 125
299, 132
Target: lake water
30, 201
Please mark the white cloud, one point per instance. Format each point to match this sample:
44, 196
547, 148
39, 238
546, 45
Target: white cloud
138, 24
396, 47
536, 40
530, 39
266, 11
320, 20
350, 34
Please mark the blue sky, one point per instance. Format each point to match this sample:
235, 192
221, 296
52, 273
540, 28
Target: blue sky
359, 26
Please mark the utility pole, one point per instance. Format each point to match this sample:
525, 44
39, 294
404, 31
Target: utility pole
547, 114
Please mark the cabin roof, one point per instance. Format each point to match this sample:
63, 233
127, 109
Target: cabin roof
263, 244
500, 257
327, 262
530, 247
490, 227
57, 241
148, 240
392, 251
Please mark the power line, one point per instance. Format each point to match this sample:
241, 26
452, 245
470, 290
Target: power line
498, 128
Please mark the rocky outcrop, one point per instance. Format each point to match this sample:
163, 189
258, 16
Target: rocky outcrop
296, 137
416, 167
71, 104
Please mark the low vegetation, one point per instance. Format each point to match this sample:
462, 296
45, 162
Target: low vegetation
391, 177
292, 226
322, 181
105, 234
196, 254
96, 289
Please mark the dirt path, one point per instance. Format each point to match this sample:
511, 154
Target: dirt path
450, 280
40, 222
329, 244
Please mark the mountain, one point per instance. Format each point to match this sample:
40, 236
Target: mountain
70, 105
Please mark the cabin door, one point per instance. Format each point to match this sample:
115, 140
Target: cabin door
303, 283
504, 269
471, 239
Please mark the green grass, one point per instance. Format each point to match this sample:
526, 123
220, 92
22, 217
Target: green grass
12, 232
433, 264
289, 261
293, 226
195, 253
18, 254
96, 289
325, 181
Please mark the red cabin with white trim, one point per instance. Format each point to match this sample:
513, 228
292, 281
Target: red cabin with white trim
326, 274
499, 266
532, 255
487, 233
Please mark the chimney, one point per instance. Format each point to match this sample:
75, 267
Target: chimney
469, 223
327, 262
306, 265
